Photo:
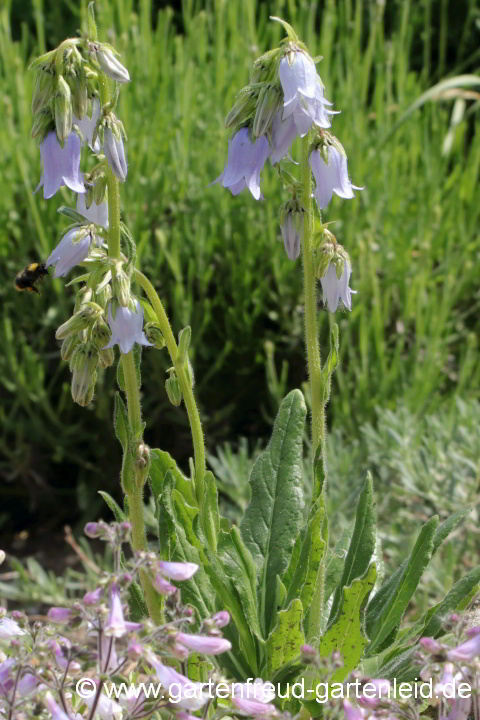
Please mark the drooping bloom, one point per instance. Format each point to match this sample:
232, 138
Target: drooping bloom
245, 162
126, 327
115, 625
71, 250
93, 597
186, 693
177, 570
115, 154
467, 651
292, 229
336, 289
54, 708
59, 614
204, 644
163, 586
303, 91
97, 214
87, 126
444, 687
10, 628
332, 177
253, 707
61, 655
108, 660
61, 166
111, 66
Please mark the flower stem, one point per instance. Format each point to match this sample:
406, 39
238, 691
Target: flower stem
310, 300
315, 623
132, 392
185, 385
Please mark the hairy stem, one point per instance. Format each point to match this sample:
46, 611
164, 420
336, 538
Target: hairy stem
315, 624
185, 385
132, 392
310, 300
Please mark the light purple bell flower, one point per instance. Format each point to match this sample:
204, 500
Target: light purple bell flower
331, 178
106, 708
54, 708
204, 644
244, 163
303, 91
127, 328
70, 251
97, 214
59, 614
115, 625
87, 126
335, 289
163, 586
61, 166
188, 695
115, 154
10, 628
253, 707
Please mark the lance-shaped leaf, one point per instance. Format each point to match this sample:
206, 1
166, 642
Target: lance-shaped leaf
273, 518
303, 581
347, 634
160, 463
335, 563
390, 603
286, 638
362, 544
114, 507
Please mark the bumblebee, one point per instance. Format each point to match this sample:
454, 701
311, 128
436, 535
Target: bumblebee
26, 278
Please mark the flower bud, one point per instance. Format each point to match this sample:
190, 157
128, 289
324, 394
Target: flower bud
79, 90
63, 110
94, 596
121, 286
43, 92
141, 464
308, 654
42, 124
111, 66
106, 358
83, 366
100, 188
94, 529
243, 108
2, 557
79, 321
154, 334
172, 387
291, 226
68, 346
221, 619
59, 614
269, 102
101, 333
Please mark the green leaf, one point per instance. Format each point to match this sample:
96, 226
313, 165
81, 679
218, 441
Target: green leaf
160, 463
211, 516
72, 214
273, 518
232, 573
389, 604
335, 562
286, 638
197, 591
114, 507
362, 544
347, 634
448, 526
136, 603
304, 579
120, 421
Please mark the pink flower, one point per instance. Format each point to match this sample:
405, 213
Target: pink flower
351, 712
93, 597
202, 644
54, 708
221, 619
59, 615
254, 707
467, 651
177, 570
380, 689
115, 626
163, 586
184, 693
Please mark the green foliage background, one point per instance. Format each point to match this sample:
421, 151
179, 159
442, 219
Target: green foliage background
216, 260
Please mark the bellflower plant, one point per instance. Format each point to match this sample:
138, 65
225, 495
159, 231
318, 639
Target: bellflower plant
269, 598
